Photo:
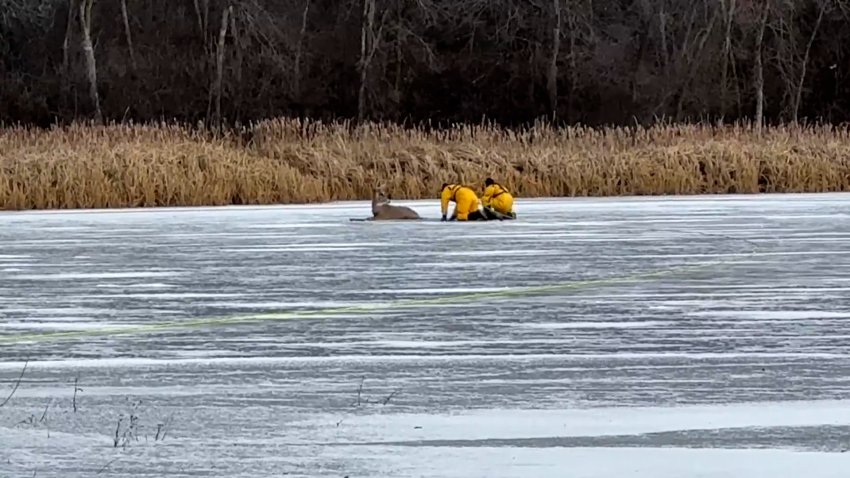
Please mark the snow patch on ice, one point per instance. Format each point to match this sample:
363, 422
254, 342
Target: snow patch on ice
596, 325
96, 275
149, 285
64, 325
166, 295
469, 264
50, 312
644, 462
523, 423
447, 290
505, 252
771, 314
286, 304
292, 225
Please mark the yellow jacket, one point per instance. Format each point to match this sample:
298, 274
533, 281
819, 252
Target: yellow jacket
466, 201
498, 198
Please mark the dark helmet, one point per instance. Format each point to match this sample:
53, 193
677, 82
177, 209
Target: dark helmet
489, 182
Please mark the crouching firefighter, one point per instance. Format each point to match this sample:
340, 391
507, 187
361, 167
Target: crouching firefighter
466, 203
498, 202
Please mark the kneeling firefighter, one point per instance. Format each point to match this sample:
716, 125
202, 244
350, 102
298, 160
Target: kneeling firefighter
497, 198
466, 202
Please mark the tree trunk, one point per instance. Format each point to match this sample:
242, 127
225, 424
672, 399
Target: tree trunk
88, 49
219, 73
126, 19
202, 14
366, 47
799, 92
727, 53
665, 49
237, 42
572, 22
692, 64
552, 80
69, 25
199, 16
66, 59
399, 54
759, 73
296, 85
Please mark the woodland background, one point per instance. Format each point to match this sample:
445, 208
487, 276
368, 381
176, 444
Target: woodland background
594, 62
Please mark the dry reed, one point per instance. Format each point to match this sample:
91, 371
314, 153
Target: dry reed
290, 161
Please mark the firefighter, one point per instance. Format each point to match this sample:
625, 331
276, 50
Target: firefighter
467, 207
497, 198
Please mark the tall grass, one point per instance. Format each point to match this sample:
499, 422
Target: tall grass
290, 161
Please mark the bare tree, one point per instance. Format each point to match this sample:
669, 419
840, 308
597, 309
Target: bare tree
370, 40
824, 4
729, 16
126, 18
237, 42
597, 61
296, 80
202, 12
582, 38
665, 48
692, 61
219, 70
66, 54
400, 36
367, 51
88, 49
552, 76
759, 67
66, 62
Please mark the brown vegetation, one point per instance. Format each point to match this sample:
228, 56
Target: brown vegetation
289, 161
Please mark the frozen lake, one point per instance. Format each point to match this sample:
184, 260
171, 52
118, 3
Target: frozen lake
639, 337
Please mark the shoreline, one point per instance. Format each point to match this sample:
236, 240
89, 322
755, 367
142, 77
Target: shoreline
364, 203
293, 162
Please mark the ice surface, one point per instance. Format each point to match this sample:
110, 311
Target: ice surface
736, 368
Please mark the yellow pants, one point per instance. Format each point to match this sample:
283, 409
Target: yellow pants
503, 203
467, 202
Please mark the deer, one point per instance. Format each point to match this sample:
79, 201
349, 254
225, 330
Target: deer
382, 210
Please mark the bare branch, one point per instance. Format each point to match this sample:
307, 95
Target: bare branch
67, 42
125, 16
805, 62
88, 48
552, 77
299, 48
217, 84
759, 73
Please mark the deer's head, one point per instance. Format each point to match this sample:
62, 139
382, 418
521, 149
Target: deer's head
380, 198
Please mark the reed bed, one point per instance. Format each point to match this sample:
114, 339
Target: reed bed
292, 161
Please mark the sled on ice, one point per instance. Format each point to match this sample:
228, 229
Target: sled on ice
492, 215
